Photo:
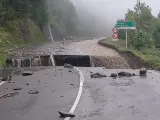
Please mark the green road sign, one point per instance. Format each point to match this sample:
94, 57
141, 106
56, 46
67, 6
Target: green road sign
125, 25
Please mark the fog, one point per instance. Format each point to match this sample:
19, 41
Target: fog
104, 13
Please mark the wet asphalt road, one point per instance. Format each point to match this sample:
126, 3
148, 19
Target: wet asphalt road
57, 89
102, 98
133, 98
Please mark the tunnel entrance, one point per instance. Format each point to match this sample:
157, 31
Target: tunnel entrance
74, 60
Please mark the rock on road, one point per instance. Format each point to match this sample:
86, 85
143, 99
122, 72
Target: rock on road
102, 56
125, 98
39, 96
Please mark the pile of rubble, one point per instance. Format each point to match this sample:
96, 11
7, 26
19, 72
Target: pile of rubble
109, 62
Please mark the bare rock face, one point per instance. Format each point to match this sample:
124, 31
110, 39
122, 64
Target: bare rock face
64, 114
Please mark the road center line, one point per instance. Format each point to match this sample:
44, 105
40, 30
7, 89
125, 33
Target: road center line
79, 92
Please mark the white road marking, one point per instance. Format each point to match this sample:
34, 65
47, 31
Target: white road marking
1, 83
79, 92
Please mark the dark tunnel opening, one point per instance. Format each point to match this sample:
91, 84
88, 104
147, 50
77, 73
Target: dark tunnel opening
74, 60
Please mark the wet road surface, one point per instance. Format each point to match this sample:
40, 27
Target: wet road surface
127, 98
57, 89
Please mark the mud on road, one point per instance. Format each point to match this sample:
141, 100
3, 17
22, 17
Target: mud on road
102, 56
99, 56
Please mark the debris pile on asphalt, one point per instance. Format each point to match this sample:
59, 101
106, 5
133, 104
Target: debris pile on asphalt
12, 94
68, 65
18, 88
97, 75
3, 78
27, 73
8, 78
33, 92
113, 75
122, 74
143, 72
64, 114
109, 62
122, 83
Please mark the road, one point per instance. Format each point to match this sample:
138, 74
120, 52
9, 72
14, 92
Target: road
133, 98
57, 89
89, 47
125, 98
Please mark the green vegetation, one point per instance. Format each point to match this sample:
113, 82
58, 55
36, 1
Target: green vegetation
143, 42
22, 21
150, 57
20, 24
62, 16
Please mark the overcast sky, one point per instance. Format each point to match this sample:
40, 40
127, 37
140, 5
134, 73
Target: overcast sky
111, 10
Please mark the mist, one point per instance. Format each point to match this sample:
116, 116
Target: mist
100, 15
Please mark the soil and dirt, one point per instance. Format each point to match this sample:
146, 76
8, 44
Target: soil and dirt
102, 56
133, 61
96, 55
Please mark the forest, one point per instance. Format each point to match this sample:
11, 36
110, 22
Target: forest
144, 42
22, 21
147, 34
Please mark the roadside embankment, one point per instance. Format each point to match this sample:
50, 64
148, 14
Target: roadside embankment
136, 59
18, 33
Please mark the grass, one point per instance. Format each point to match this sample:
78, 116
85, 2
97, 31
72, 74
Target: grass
2, 59
149, 57
10, 37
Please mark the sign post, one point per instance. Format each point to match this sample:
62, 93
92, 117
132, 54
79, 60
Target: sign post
126, 39
123, 25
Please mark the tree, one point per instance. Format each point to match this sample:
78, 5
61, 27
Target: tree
142, 37
63, 16
158, 15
